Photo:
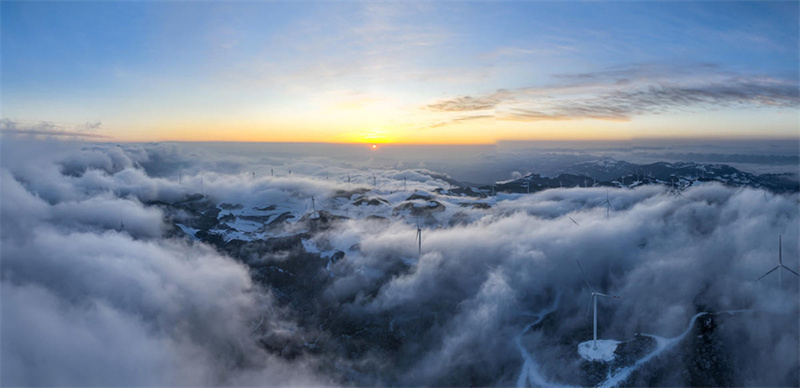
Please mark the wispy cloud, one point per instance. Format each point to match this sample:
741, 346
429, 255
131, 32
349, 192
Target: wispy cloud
625, 92
470, 103
625, 104
48, 129
376, 44
459, 120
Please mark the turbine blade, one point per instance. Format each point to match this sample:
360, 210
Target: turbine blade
584, 276
790, 270
780, 251
770, 271
588, 307
573, 221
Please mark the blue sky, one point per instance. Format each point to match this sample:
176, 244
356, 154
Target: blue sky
411, 72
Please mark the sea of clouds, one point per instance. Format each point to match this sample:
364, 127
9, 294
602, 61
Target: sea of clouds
96, 291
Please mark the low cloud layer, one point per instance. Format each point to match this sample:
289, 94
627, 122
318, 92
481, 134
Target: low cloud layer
98, 287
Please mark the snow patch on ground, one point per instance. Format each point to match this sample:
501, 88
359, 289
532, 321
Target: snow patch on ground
603, 352
310, 246
530, 374
188, 230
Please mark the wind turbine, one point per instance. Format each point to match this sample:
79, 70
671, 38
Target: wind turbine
780, 265
313, 205
418, 239
593, 301
608, 205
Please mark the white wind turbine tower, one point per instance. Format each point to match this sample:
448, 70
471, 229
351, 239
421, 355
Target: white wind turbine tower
676, 190
593, 301
608, 205
418, 239
780, 265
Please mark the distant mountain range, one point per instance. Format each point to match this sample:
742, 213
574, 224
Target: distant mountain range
617, 173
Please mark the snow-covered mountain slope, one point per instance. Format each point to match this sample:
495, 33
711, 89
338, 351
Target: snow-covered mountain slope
615, 173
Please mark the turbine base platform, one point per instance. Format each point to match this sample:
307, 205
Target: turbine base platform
603, 353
